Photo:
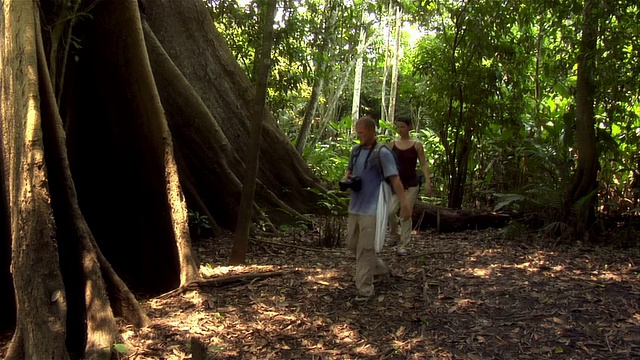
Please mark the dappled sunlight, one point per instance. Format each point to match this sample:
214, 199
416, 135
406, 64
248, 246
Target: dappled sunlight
544, 263
208, 270
482, 272
270, 320
485, 252
458, 296
463, 304
326, 277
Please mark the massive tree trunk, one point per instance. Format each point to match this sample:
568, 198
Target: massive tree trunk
100, 138
37, 277
226, 93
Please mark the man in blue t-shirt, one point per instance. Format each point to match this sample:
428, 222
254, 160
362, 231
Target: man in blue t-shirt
361, 225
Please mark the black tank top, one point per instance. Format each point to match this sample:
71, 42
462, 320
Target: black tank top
407, 160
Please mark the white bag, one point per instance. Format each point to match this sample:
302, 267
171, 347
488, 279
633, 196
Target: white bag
382, 215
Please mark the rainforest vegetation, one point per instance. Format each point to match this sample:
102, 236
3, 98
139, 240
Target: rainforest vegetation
127, 132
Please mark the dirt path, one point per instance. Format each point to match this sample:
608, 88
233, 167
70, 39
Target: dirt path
466, 295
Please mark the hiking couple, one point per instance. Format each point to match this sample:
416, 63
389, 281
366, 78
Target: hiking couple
374, 168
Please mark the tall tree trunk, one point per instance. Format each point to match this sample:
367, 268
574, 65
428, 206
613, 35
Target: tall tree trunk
262, 64
584, 185
320, 74
357, 77
384, 115
330, 110
8, 316
457, 150
39, 288
394, 66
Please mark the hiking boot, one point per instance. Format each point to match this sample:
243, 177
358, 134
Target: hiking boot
402, 251
362, 299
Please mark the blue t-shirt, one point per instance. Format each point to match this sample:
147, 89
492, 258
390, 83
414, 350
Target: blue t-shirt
365, 201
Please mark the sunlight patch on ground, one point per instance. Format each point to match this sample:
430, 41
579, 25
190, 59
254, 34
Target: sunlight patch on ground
481, 272
609, 276
325, 277
462, 304
207, 270
344, 333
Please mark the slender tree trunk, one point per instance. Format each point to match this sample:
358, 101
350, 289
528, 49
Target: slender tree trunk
394, 65
450, 149
262, 66
357, 78
584, 186
329, 112
537, 94
310, 111
384, 115
320, 74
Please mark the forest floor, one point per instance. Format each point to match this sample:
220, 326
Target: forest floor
466, 295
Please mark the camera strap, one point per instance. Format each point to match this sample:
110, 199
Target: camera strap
357, 152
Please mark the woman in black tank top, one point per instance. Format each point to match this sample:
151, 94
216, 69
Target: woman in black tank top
408, 152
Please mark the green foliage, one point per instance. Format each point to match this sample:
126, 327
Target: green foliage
491, 85
299, 30
198, 224
329, 159
120, 349
582, 207
514, 231
334, 201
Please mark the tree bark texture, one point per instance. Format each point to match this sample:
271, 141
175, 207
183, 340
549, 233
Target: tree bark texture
227, 94
39, 288
262, 66
584, 185
106, 141
7, 317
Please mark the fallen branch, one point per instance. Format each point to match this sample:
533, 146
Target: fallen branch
224, 280
431, 253
296, 246
220, 281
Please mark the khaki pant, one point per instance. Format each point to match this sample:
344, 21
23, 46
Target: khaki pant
405, 225
361, 230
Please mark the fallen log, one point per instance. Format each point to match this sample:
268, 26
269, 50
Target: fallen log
447, 220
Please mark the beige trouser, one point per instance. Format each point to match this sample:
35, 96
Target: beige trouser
361, 230
405, 225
